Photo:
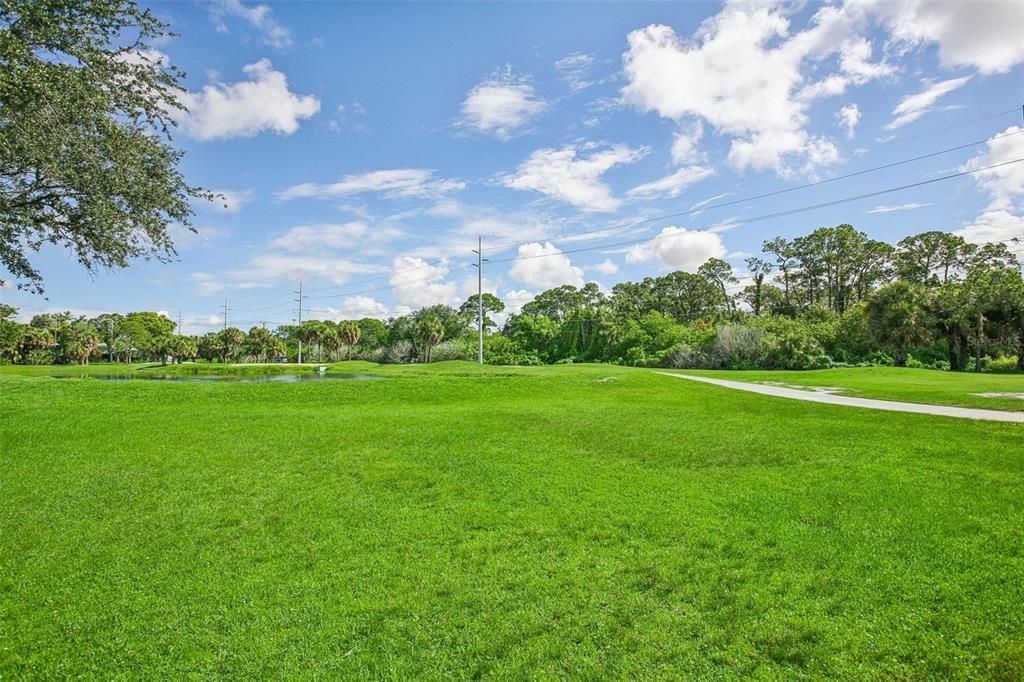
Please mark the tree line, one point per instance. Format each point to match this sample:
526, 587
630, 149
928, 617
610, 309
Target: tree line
832, 297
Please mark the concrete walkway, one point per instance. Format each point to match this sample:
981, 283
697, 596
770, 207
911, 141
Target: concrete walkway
869, 403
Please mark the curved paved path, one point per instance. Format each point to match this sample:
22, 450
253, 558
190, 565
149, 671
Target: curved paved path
870, 403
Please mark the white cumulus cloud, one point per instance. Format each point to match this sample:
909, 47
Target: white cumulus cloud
502, 105
1005, 184
572, 175
417, 283
984, 35
997, 226
544, 266
248, 107
606, 267
355, 308
677, 248
741, 73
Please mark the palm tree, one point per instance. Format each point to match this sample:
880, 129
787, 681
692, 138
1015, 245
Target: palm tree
349, 333
897, 316
428, 333
164, 345
187, 348
261, 343
309, 332
327, 336
230, 341
36, 338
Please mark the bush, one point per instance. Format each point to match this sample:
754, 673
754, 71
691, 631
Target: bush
41, 357
737, 346
636, 357
401, 351
371, 355
452, 350
501, 350
914, 363
1006, 363
794, 350
683, 356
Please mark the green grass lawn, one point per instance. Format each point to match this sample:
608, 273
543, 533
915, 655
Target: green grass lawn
585, 522
892, 383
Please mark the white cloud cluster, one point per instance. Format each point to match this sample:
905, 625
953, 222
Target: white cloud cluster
502, 105
259, 16
575, 70
743, 73
399, 183
677, 248
1005, 184
996, 226
248, 107
847, 118
544, 266
356, 308
985, 35
1002, 219
571, 175
913, 107
417, 283
686, 143
671, 185
606, 267
317, 237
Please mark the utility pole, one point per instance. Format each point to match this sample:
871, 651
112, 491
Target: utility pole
179, 323
226, 309
299, 301
479, 265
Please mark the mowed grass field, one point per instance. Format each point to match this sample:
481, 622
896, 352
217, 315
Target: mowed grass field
583, 522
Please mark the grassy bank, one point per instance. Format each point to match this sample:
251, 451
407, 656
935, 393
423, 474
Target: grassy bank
455, 521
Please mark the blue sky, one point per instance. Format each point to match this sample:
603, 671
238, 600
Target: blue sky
363, 147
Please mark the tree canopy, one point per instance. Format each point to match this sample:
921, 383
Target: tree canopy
86, 156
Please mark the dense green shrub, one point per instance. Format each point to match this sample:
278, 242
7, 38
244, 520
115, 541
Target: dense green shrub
40, 357
794, 350
1005, 363
453, 350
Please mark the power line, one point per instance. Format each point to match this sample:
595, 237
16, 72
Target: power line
786, 190
343, 290
743, 221
778, 214
696, 210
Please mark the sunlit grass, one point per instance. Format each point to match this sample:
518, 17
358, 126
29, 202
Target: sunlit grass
455, 521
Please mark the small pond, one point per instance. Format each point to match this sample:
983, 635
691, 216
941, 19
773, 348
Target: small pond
225, 378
